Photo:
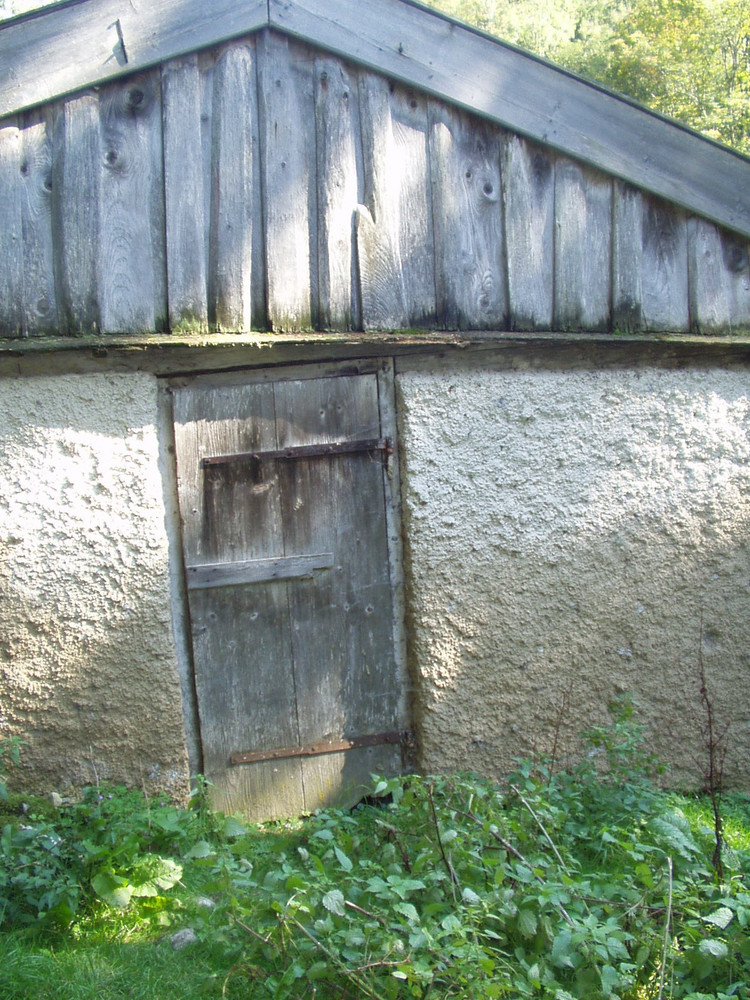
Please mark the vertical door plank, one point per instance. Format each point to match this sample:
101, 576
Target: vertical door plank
583, 248
348, 685
241, 635
132, 266
185, 209
467, 199
337, 129
11, 231
233, 190
395, 238
310, 415
40, 296
528, 174
75, 212
287, 129
719, 277
373, 688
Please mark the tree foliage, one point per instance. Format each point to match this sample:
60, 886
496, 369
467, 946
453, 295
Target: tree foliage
689, 59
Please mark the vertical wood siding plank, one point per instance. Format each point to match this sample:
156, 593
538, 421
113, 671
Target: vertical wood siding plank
337, 129
627, 258
233, 191
11, 231
259, 278
528, 174
287, 128
185, 210
664, 267
583, 248
75, 212
649, 264
394, 227
467, 199
382, 285
719, 278
40, 296
132, 266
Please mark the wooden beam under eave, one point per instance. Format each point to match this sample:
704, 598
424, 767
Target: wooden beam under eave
59, 50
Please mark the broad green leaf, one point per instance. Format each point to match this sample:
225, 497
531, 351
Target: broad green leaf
113, 889
318, 970
201, 849
610, 980
408, 910
469, 896
323, 835
233, 828
713, 947
343, 860
645, 875
451, 923
403, 886
527, 922
720, 918
561, 949
334, 902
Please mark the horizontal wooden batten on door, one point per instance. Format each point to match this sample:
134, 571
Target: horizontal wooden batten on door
233, 574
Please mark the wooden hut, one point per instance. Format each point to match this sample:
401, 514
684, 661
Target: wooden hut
374, 394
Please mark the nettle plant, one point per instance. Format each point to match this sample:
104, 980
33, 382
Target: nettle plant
579, 884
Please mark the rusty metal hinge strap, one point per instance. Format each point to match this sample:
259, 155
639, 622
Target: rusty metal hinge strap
303, 451
317, 749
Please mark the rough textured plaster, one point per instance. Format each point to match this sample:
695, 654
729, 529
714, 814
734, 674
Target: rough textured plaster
89, 677
566, 532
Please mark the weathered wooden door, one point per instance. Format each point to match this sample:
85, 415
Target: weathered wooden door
284, 494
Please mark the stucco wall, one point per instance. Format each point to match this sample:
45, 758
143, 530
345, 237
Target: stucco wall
89, 677
572, 528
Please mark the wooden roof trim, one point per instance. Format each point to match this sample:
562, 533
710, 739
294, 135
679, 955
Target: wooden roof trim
68, 46
83, 42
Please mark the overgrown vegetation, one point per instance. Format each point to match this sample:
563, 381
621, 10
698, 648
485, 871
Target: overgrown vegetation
588, 883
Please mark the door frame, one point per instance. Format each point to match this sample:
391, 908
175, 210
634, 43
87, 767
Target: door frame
384, 369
